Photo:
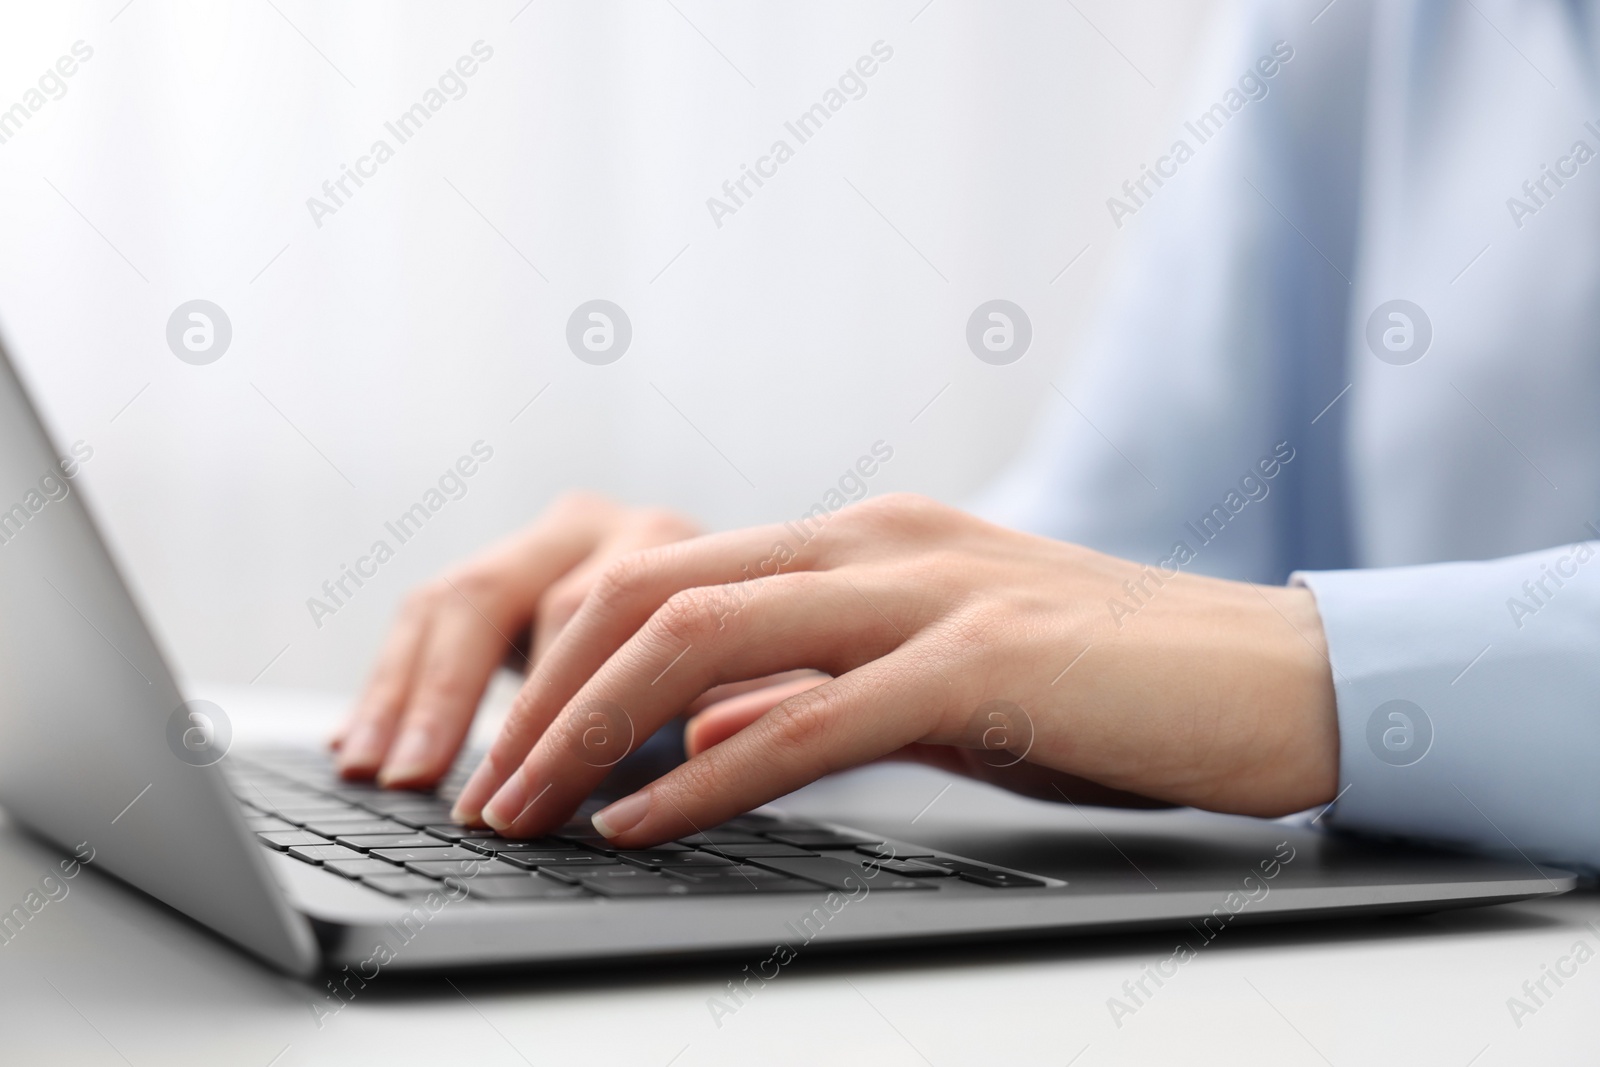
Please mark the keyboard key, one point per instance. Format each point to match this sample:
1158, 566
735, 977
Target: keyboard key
404, 884
768, 850
576, 875
399, 803
532, 844
888, 850
286, 798
597, 844
344, 788
300, 814
300, 818
351, 827
745, 874
412, 855
323, 853
528, 887
707, 886
653, 858
359, 868
617, 872
454, 832
396, 800
590, 840
267, 823
417, 820
821, 839
986, 876
550, 860
465, 870
954, 866
911, 869
722, 837
368, 842
1001, 879
283, 840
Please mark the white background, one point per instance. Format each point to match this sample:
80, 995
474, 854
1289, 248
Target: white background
822, 317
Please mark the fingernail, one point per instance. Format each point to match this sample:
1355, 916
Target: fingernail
622, 816
359, 749
408, 758
468, 809
507, 804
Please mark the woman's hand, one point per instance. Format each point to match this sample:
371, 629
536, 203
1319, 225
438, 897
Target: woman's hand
946, 638
453, 633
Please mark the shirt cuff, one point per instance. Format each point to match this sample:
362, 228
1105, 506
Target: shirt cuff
1469, 702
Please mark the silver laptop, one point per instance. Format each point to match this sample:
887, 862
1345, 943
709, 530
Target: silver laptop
102, 754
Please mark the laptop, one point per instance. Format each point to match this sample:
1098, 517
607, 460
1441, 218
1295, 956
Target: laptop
104, 755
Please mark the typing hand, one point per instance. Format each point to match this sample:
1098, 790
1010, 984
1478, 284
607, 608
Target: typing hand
946, 639
453, 633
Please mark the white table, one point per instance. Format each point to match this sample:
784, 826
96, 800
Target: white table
106, 976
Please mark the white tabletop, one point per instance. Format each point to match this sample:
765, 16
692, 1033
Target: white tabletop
104, 975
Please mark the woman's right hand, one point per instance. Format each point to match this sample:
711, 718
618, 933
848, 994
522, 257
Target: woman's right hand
453, 633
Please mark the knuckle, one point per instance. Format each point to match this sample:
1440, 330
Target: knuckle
476, 582
901, 511
915, 507
622, 577
688, 615
561, 602
663, 525
801, 723
699, 778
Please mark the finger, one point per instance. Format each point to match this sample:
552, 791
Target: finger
369, 728
728, 566
722, 720
561, 602
653, 676
563, 599
857, 717
507, 579
462, 651
733, 689
798, 619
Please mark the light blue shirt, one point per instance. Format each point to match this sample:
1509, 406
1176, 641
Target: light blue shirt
1442, 492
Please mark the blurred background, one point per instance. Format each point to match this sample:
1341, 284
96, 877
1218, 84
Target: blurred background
373, 344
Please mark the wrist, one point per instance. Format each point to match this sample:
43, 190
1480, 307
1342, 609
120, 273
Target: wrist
1300, 763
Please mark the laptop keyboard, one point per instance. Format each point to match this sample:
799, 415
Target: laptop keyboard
403, 843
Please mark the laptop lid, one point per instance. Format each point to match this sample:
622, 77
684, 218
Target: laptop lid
98, 751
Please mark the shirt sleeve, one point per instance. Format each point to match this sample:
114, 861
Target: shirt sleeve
1469, 702
1223, 331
